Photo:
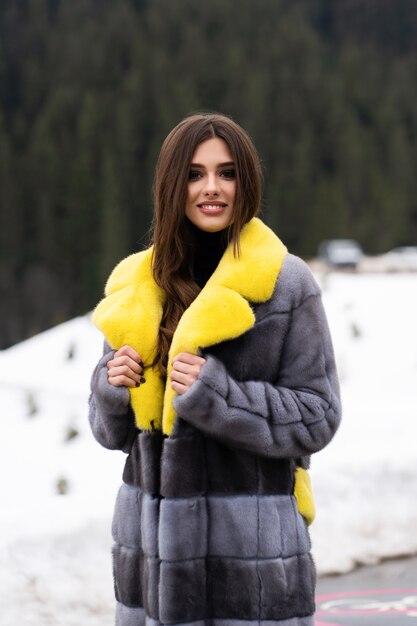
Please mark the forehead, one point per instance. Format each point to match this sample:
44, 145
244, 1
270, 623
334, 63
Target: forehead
213, 150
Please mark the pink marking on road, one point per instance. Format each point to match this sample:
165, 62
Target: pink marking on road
363, 611
360, 594
375, 592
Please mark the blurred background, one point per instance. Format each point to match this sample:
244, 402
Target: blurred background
88, 91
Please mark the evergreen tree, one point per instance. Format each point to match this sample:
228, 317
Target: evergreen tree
89, 89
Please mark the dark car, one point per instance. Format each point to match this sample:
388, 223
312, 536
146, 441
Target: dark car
343, 253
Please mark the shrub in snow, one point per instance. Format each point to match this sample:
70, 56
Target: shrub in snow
71, 351
62, 486
31, 404
355, 330
71, 433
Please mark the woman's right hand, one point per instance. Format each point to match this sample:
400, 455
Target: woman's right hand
125, 368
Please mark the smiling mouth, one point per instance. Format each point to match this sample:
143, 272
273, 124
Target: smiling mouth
211, 208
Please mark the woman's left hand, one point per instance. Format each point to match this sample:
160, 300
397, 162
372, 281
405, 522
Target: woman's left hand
185, 370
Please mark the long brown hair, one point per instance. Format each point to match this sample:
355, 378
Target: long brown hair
172, 238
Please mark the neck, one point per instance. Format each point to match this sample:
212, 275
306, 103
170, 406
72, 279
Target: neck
208, 249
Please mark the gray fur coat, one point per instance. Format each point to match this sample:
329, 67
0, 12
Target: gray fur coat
206, 527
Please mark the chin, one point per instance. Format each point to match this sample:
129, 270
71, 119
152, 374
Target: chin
210, 224
212, 228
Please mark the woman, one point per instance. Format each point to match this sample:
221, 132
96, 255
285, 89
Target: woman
218, 379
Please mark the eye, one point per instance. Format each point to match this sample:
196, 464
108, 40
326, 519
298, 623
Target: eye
194, 175
229, 174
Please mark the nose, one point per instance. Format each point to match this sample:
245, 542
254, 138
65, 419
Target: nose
211, 187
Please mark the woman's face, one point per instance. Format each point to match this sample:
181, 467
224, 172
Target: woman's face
211, 186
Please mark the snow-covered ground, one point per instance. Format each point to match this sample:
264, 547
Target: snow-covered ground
366, 479
55, 566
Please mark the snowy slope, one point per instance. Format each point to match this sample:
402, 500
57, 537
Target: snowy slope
366, 480
55, 548
54, 553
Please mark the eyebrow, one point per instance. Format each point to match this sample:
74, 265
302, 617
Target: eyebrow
227, 164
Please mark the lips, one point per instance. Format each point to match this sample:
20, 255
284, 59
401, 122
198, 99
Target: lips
212, 208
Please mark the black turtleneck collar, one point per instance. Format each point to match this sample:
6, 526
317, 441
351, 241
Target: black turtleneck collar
208, 250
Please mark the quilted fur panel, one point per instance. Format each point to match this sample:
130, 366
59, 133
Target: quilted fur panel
256, 544
142, 467
193, 465
189, 518
128, 569
183, 467
255, 527
238, 527
259, 589
183, 591
281, 594
126, 616
126, 525
150, 525
151, 586
188, 464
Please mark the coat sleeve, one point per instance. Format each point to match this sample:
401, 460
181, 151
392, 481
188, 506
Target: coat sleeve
110, 415
292, 417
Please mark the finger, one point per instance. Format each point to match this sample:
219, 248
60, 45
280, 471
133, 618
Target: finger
119, 380
182, 378
125, 360
186, 368
187, 357
125, 371
179, 388
122, 381
191, 359
129, 351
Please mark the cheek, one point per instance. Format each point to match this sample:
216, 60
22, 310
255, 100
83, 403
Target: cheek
189, 203
232, 191
192, 192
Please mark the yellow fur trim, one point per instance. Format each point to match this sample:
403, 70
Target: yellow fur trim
303, 492
132, 309
130, 314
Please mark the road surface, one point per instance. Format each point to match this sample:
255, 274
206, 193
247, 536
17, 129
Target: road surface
378, 595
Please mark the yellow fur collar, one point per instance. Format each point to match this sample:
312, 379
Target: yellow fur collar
132, 309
